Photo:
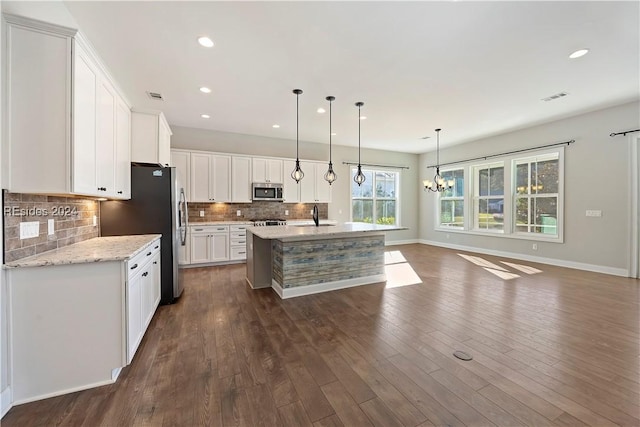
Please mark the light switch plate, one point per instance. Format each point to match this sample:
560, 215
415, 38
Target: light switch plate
238, 213
95, 220
201, 213
51, 227
29, 230
286, 212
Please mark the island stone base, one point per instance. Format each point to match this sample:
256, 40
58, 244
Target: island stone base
312, 266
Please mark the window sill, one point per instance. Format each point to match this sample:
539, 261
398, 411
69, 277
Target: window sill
501, 234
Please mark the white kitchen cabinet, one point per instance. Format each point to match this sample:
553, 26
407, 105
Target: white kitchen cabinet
150, 138
210, 178
134, 314
238, 242
241, 179
267, 170
313, 187
181, 160
291, 189
123, 150
209, 244
72, 150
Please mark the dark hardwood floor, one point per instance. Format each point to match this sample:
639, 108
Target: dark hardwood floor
552, 346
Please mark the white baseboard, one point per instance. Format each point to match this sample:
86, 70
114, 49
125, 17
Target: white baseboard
5, 401
400, 242
542, 260
324, 287
61, 392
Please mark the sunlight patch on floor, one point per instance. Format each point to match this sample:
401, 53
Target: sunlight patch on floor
481, 262
398, 271
503, 274
523, 268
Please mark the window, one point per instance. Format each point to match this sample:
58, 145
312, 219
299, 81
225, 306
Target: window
376, 200
451, 214
536, 194
488, 197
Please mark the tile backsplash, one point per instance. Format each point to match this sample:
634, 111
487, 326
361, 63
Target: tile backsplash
73, 222
250, 211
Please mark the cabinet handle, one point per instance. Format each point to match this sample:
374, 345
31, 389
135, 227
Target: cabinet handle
198, 229
145, 274
156, 247
134, 267
155, 262
149, 253
119, 192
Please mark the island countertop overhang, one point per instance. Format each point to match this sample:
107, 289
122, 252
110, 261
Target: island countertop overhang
291, 233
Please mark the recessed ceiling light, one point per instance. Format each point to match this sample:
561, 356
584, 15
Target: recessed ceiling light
363, 117
205, 41
205, 90
321, 110
275, 126
579, 53
205, 116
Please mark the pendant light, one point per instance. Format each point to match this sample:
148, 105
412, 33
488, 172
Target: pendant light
297, 173
330, 176
438, 185
359, 177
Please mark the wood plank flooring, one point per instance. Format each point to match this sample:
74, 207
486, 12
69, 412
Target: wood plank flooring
551, 347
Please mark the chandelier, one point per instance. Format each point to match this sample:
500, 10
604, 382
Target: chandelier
439, 184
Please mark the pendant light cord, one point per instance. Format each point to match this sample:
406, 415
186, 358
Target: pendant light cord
359, 120
297, 124
330, 130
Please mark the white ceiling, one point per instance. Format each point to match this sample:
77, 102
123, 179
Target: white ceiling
472, 68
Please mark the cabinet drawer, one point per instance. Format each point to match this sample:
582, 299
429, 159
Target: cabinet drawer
238, 234
208, 229
240, 228
239, 242
137, 262
239, 252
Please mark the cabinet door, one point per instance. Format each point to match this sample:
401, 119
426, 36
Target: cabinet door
156, 279
123, 150
200, 248
200, 177
308, 183
181, 160
220, 186
146, 286
134, 315
323, 189
291, 190
241, 179
84, 125
274, 171
219, 247
106, 138
259, 170
164, 143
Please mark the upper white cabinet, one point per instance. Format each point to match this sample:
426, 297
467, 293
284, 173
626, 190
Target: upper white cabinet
210, 177
123, 150
291, 189
241, 179
150, 138
313, 187
181, 160
267, 170
62, 123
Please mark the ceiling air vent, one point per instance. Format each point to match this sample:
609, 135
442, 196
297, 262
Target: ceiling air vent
155, 95
555, 96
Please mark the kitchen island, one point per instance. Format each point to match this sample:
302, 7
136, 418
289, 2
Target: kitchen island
299, 260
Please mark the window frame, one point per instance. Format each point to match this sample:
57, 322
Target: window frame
509, 229
476, 197
441, 198
374, 198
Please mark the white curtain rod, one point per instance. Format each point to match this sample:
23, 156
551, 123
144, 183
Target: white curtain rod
376, 166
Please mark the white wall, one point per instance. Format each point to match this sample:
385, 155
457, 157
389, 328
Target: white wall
597, 171
200, 139
4, 331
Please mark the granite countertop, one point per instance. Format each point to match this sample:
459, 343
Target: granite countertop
301, 232
112, 248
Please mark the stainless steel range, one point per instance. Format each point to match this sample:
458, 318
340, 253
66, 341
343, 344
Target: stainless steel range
269, 222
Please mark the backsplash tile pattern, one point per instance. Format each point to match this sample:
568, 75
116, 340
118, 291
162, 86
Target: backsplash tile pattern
251, 211
73, 222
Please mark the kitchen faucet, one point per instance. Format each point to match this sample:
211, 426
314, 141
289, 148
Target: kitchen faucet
315, 215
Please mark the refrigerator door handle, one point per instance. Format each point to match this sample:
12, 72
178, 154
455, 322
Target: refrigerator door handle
183, 218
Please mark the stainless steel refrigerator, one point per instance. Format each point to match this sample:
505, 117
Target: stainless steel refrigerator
157, 206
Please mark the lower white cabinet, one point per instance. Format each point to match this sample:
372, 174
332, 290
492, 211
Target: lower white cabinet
238, 241
209, 244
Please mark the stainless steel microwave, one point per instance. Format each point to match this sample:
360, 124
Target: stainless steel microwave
266, 191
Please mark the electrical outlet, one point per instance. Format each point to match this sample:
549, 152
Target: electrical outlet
201, 213
535, 247
29, 230
238, 213
286, 212
311, 212
95, 220
51, 227
595, 213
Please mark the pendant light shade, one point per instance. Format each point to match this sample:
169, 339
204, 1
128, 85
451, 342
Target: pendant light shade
438, 185
359, 177
297, 173
330, 176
